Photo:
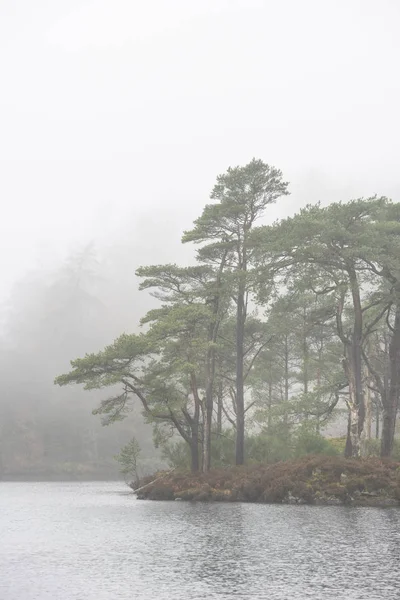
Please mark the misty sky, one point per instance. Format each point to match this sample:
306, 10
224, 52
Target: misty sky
116, 115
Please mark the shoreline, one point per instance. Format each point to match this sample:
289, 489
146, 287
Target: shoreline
313, 480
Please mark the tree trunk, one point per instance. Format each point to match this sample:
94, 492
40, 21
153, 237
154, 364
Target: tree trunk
194, 426
388, 430
348, 448
391, 399
286, 379
377, 421
219, 408
368, 414
319, 369
355, 437
240, 321
208, 411
209, 401
353, 368
306, 357
269, 417
210, 369
353, 442
194, 448
286, 369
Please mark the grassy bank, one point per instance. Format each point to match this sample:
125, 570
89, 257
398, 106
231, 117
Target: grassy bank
311, 480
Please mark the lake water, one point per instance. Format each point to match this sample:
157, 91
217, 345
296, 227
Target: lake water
95, 541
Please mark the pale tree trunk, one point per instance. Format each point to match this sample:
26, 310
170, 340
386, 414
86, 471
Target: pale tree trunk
355, 402
207, 425
348, 447
193, 439
368, 422
194, 426
352, 365
354, 438
391, 399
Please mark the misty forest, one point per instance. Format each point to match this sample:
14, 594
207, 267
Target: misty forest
199, 300
276, 341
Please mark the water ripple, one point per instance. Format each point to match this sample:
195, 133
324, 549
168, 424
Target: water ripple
92, 541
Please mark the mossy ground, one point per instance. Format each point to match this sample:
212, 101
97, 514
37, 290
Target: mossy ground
310, 480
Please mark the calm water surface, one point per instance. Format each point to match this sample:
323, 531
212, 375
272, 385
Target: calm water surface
91, 541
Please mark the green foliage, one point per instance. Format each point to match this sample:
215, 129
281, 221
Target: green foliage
266, 447
241, 195
223, 448
323, 282
128, 459
176, 455
308, 442
339, 444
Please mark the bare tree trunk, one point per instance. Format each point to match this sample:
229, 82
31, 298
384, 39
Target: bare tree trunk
209, 400
240, 320
219, 407
194, 448
348, 448
305, 355
210, 368
240, 324
319, 369
286, 369
377, 421
355, 425
286, 379
388, 430
352, 364
368, 413
391, 400
207, 431
269, 418
194, 427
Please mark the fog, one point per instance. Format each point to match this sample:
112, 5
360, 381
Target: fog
116, 118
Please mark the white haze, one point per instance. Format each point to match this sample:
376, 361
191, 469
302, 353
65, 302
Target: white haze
116, 116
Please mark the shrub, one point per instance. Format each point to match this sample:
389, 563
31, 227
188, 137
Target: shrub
311, 479
128, 459
177, 455
268, 448
309, 442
